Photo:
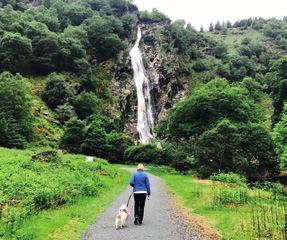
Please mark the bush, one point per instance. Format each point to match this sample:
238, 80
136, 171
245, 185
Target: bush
183, 164
86, 104
74, 136
200, 66
50, 156
148, 153
57, 91
65, 112
229, 178
117, 145
153, 16
95, 142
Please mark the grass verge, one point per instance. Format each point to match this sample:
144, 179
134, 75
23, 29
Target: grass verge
70, 222
51, 195
236, 221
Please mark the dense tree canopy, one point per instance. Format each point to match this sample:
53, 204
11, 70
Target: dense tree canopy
60, 35
15, 111
208, 104
221, 125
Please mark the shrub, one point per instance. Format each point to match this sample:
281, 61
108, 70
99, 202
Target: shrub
73, 136
117, 145
57, 91
107, 123
148, 153
229, 178
200, 66
86, 104
50, 156
153, 16
279, 136
95, 142
183, 164
65, 112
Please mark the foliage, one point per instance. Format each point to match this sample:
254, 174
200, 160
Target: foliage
50, 223
208, 104
147, 153
15, 111
73, 136
61, 36
22, 197
57, 91
95, 142
229, 178
246, 149
117, 144
250, 211
153, 16
220, 125
278, 86
226, 196
98, 81
186, 40
86, 104
15, 50
65, 112
50, 156
280, 138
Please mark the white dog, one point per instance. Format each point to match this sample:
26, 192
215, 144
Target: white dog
122, 216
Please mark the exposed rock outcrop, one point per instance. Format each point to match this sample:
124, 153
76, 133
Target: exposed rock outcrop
161, 67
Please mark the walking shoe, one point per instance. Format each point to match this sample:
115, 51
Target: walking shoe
136, 221
140, 223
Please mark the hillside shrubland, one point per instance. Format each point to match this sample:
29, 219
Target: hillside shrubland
61, 60
26, 187
66, 88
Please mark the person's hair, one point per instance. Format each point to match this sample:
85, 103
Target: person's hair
140, 166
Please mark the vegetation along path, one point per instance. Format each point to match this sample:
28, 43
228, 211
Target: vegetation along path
160, 221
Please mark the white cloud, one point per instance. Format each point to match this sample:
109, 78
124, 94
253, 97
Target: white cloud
202, 12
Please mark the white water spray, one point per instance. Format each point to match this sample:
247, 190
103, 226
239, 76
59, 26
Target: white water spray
145, 121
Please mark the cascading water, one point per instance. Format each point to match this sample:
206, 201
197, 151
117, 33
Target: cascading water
145, 120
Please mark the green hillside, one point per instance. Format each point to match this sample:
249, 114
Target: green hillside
66, 86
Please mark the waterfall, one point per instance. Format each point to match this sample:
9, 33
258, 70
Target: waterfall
145, 120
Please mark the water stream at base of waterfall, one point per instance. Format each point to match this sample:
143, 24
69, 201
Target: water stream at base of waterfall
145, 121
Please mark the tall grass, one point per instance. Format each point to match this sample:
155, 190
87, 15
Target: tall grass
238, 211
29, 185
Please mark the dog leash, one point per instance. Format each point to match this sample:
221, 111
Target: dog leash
129, 199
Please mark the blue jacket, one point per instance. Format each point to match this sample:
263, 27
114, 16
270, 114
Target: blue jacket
140, 182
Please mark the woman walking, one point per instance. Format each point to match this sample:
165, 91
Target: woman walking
141, 188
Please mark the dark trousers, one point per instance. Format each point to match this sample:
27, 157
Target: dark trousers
139, 205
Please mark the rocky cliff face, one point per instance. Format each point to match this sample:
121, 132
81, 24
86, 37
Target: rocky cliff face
161, 67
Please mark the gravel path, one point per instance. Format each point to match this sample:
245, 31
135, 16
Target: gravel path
160, 222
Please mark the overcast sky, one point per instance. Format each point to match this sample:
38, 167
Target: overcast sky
202, 12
